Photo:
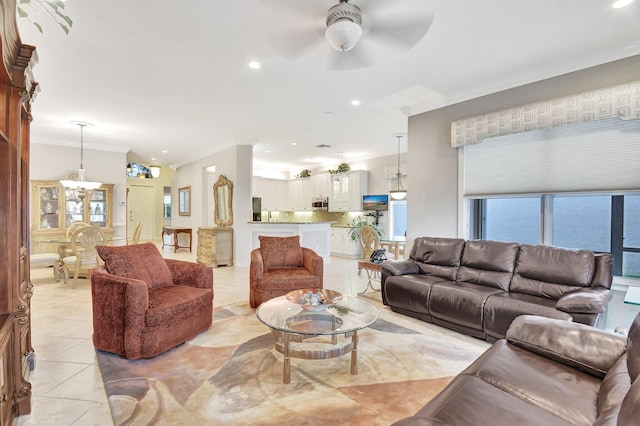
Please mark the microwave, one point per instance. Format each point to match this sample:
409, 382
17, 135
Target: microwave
320, 203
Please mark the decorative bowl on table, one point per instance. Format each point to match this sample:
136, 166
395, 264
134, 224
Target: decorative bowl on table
313, 300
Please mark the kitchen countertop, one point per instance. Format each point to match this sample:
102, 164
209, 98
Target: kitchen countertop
288, 223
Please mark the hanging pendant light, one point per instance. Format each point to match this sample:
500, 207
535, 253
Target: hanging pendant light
77, 186
399, 193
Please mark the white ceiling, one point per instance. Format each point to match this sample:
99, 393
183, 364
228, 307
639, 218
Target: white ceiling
158, 75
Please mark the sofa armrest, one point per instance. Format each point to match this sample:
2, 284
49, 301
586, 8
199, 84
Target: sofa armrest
119, 308
400, 267
312, 262
420, 421
590, 300
190, 274
256, 264
577, 345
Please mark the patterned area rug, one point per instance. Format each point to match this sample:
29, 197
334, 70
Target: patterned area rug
232, 375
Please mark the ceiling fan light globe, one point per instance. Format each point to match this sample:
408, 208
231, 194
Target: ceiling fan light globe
343, 34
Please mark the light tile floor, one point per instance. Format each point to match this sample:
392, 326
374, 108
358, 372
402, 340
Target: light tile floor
66, 383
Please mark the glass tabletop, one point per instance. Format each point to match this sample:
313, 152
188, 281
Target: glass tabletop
632, 296
347, 315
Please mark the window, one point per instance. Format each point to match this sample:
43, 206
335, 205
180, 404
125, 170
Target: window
601, 223
582, 222
512, 219
398, 219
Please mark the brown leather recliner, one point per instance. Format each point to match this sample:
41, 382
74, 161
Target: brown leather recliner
281, 265
546, 372
144, 305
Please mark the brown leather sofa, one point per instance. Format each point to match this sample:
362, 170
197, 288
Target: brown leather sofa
478, 287
546, 372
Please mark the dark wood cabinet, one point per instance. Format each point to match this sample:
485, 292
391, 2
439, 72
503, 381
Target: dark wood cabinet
17, 90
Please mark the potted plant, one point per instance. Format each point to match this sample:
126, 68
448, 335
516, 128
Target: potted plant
342, 168
304, 174
354, 232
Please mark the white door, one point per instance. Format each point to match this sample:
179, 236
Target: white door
141, 207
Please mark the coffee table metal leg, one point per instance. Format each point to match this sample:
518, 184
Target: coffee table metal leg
286, 373
354, 353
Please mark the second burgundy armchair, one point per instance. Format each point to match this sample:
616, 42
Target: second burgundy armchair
281, 265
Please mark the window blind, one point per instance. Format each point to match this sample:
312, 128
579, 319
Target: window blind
595, 156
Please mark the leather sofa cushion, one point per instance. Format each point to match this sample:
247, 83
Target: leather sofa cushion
613, 389
577, 345
489, 263
138, 261
280, 252
460, 303
633, 349
410, 292
602, 276
584, 301
438, 251
502, 308
469, 400
556, 388
630, 409
176, 303
556, 265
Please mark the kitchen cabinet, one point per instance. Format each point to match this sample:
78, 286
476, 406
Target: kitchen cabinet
321, 184
300, 194
342, 245
256, 186
274, 194
347, 190
54, 209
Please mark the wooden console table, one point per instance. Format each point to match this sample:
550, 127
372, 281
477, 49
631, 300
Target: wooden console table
170, 230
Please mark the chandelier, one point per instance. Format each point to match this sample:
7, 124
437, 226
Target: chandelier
399, 193
77, 186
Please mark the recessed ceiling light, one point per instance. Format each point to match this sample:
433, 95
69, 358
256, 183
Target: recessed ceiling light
293, 143
164, 151
355, 102
254, 65
622, 3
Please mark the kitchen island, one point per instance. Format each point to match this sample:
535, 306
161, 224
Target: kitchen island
313, 235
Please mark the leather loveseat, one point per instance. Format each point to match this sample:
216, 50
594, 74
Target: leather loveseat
478, 287
546, 372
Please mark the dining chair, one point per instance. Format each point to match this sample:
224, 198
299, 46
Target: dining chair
70, 230
83, 246
369, 241
135, 238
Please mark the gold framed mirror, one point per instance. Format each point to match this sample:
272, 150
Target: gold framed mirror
223, 196
184, 200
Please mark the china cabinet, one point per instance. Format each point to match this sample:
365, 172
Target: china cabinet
54, 209
17, 91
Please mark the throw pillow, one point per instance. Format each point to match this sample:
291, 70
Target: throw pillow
139, 261
281, 252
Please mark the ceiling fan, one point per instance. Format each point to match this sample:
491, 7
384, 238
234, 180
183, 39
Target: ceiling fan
351, 33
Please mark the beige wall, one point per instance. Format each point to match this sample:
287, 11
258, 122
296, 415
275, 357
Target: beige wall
52, 162
165, 179
433, 206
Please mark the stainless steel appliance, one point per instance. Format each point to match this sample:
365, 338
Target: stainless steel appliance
320, 204
256, 208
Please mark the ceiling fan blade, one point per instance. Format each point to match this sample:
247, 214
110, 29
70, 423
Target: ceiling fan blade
358, 57
295, 43
401, 33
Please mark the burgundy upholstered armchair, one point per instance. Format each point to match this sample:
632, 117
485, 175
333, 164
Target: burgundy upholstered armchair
144, 304
279, 266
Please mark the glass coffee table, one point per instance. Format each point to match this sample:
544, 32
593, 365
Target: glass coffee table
340, 322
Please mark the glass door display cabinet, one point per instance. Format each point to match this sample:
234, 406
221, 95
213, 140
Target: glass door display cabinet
54, 209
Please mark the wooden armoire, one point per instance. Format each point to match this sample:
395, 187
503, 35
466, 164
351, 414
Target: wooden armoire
17, 90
